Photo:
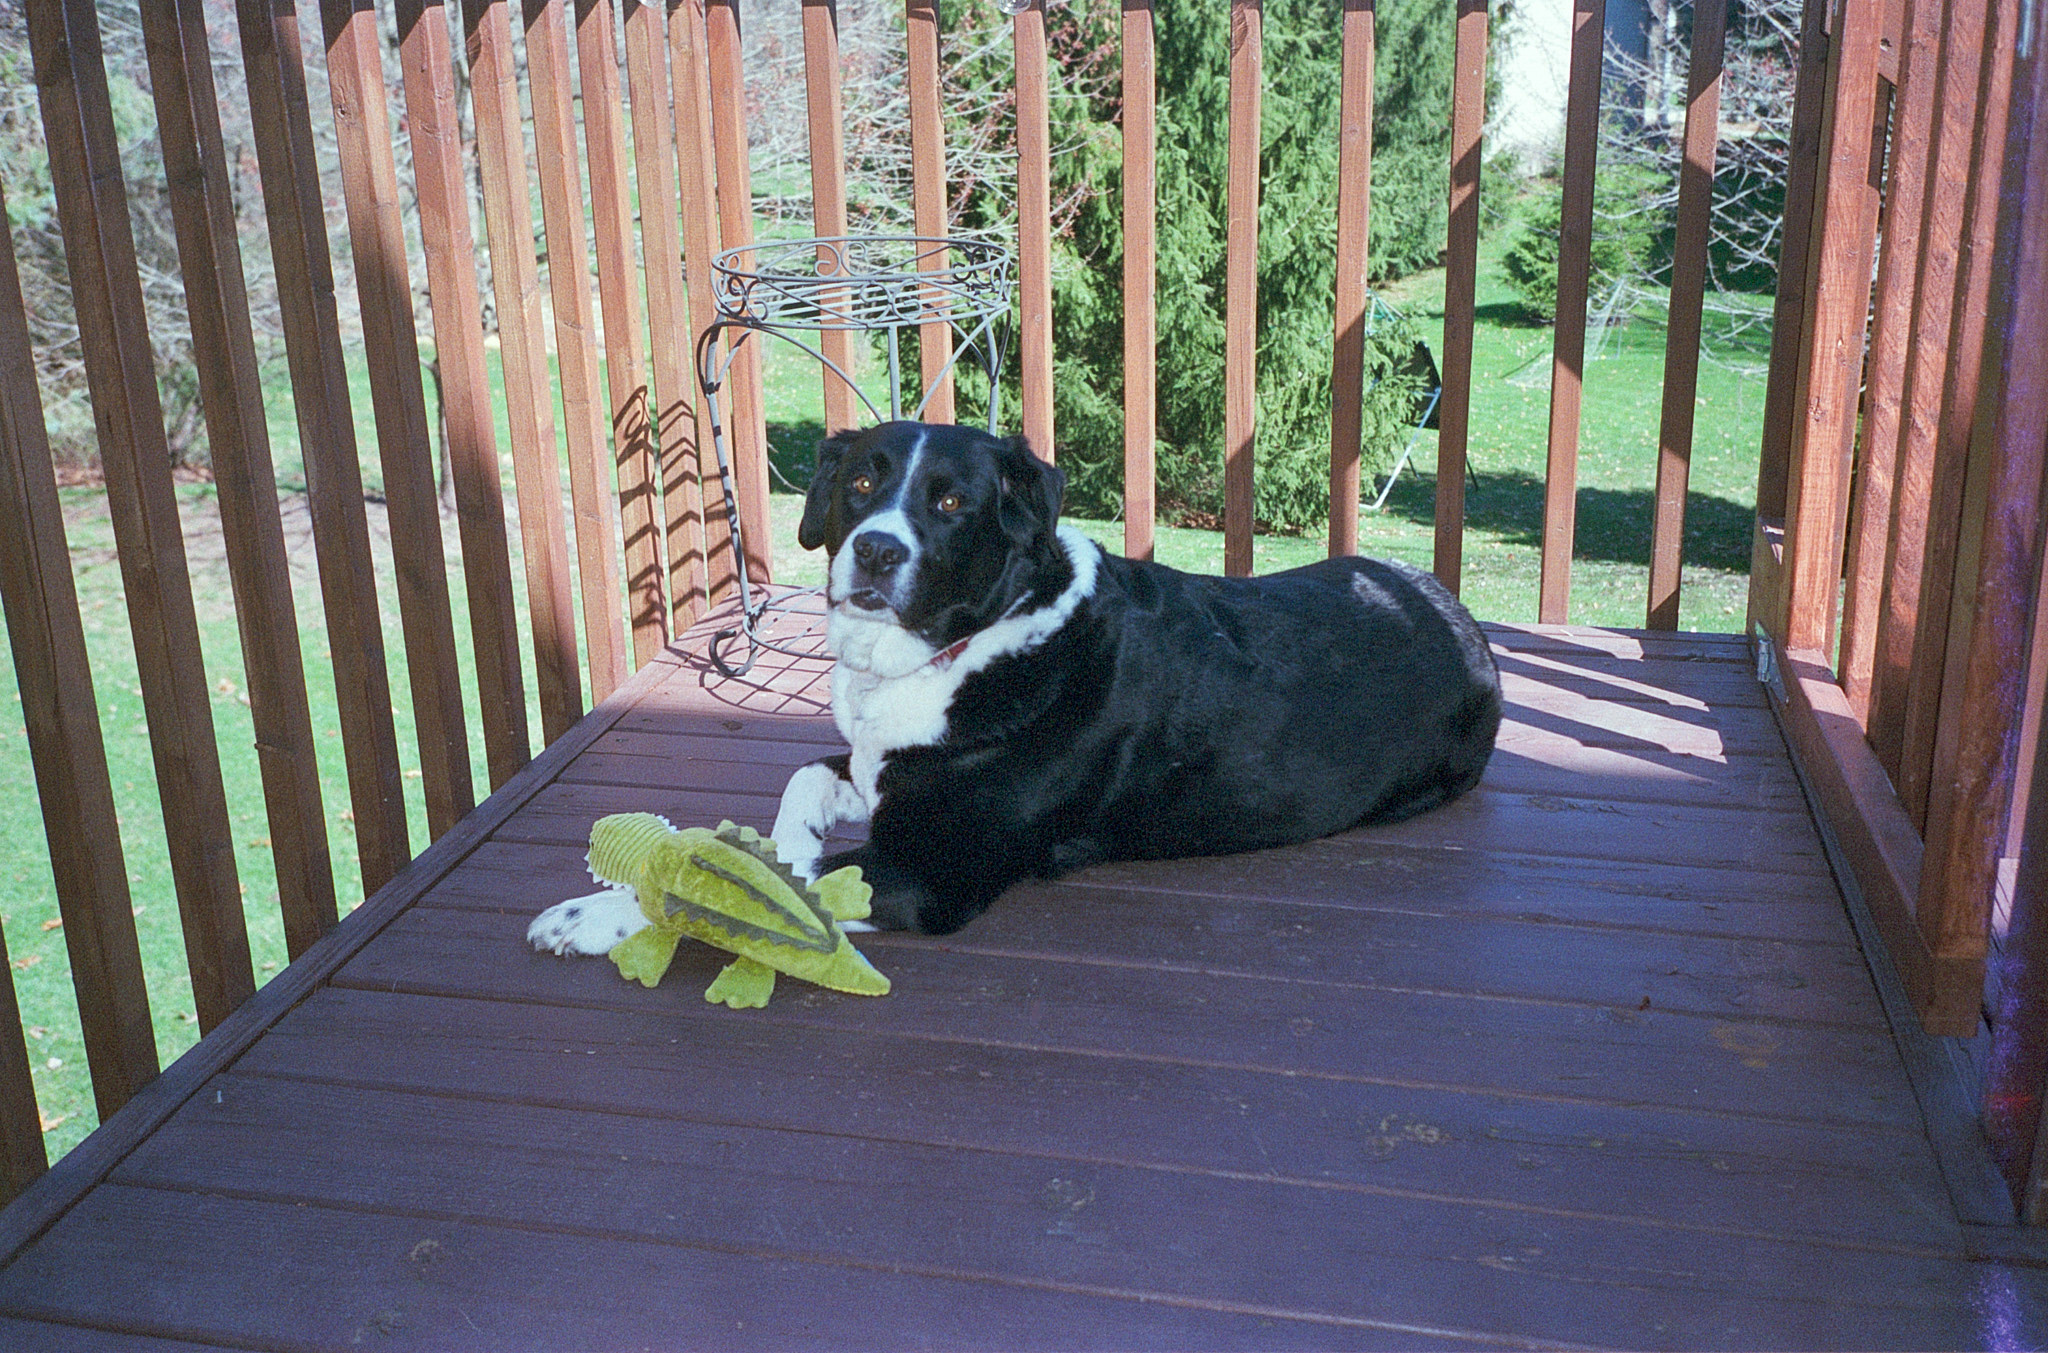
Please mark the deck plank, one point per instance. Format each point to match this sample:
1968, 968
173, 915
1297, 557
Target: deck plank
1351, 872
1134, 929
1577, 1049
1648, 1167
44, 1337
446, 1284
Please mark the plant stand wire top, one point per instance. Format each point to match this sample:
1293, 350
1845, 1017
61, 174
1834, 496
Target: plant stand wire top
793, 289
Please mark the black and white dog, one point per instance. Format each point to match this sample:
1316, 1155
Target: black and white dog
1020, 704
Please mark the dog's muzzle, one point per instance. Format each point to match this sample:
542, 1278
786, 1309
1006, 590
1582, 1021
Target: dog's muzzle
878, 570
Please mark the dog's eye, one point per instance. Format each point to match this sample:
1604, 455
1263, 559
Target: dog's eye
950, 503
863, 484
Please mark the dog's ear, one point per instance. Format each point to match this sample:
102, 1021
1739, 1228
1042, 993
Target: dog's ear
1030, 483
810, 532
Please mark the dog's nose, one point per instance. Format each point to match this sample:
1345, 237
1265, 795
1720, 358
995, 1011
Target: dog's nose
877, 552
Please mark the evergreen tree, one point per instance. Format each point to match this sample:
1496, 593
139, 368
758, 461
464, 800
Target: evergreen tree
1297, 236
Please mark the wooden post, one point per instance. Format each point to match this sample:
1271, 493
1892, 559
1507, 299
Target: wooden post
1241, 290
1688, 292
1141, 280
369, 178
2017, 397
282, 123
1568, 335
1461, 280
99, 248
449, 245
1034, 228
522, 356
1354, 215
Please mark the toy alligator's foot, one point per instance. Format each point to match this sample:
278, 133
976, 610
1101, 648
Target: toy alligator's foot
744, 984
588, 925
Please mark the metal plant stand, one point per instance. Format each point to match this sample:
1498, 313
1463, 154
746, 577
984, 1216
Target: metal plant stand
795, 289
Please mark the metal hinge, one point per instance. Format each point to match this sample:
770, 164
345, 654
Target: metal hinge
1767, 670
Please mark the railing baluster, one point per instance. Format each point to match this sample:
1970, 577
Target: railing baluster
1141, 278
690, 460
224, 352
1688, 292
62, 720
282, 124
561, 201
624, 349
1034, 227
522, 357
355, 78
1831, 360
99, 248
1461, 281
1789, 316
1568, 335
1354, 216
1892, 338
1241, 289
674, 400
1962, 794
826, 121
1934, 457
928, 192
746, 423
1982, 690
461, 379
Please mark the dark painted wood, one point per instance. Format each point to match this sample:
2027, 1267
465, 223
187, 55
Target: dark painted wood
48, 1338
1087, 1224
1577, 1045
1600, 1023
61, 720
1372, 942
113, 331
443, 1283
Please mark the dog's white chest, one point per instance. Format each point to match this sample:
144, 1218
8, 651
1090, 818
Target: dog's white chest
879, 714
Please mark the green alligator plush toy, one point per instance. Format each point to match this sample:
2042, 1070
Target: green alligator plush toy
728, 889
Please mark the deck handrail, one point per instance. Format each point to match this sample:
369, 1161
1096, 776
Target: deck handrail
636, 527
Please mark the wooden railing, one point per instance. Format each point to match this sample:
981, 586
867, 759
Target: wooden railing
633, 439
1901, 499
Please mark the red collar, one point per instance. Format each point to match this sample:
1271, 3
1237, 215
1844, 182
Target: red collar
945, 656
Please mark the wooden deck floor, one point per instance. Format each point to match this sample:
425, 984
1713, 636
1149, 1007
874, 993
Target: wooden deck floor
1588, 1058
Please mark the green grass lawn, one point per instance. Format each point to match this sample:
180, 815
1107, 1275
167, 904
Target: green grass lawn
1617, 469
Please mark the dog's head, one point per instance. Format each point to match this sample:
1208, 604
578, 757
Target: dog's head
941, 530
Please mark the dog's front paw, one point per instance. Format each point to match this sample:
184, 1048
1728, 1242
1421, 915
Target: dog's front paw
812, 804
588, 925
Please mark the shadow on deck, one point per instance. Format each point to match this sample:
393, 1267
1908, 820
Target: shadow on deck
1589, 1057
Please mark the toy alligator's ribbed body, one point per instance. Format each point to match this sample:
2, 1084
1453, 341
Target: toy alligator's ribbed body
728, 889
